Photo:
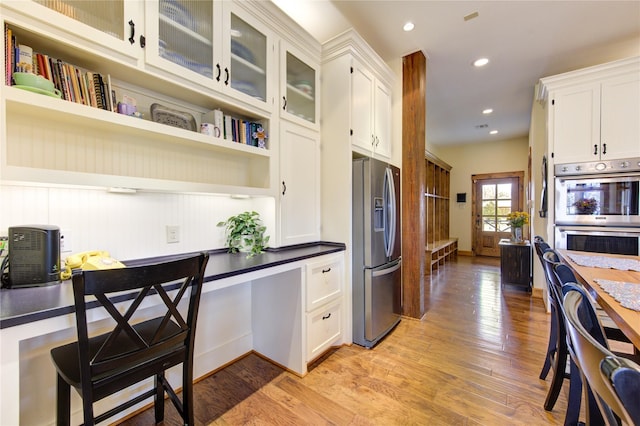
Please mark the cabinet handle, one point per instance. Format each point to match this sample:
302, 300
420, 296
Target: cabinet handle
219, 72
377, 141
595, 149
226, 80
604, 149
284, 103
284, 187
324, 271
132, 26
143, 41
327, 317
373, 140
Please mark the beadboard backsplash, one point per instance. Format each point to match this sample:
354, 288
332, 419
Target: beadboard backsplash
128, 226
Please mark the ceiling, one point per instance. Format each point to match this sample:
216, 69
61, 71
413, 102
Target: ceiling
524, 41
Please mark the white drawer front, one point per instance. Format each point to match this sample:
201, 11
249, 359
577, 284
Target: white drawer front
324, 281
323, 329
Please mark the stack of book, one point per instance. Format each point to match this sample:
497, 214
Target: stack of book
76, 84
237, 129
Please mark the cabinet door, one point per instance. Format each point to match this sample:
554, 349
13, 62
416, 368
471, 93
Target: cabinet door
382, 120
576, 124
620, 112
299, 184
181, 37
248, 47
362, 101
299, 87
111, 26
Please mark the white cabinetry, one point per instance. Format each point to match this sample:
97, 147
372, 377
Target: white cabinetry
371, 111
196, 56
593, 113
299, 217
324, 288
299, 87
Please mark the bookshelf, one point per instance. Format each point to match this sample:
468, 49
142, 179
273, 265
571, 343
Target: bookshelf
439, 247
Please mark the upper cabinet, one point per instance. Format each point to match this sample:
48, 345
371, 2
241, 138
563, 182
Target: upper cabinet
368, 91
193, 59
593, 113
114, 27
215, 44
299, 87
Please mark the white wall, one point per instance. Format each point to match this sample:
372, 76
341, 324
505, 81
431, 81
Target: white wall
469, 159
129, 226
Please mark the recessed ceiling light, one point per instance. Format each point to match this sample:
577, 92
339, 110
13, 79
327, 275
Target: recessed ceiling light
408, 26
487, 111
480, 62
493, 132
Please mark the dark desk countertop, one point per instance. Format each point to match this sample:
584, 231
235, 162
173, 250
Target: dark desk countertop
25, 305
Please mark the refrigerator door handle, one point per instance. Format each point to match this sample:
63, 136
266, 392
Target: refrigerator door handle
390, 212
387, 270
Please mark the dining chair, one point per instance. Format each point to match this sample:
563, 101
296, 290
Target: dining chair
588, 347
135, 349
541, 247
623, 378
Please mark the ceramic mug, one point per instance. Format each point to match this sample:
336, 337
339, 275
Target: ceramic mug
207, 129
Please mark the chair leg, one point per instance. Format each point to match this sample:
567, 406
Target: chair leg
575, 395
552, 346
63, 403
158, 399
560, 363
187, 392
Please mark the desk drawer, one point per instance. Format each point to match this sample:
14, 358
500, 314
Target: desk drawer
324, 281
323, 329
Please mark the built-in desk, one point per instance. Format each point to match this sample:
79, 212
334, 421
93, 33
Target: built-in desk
258, 304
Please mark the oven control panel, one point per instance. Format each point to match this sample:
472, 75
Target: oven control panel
598, 167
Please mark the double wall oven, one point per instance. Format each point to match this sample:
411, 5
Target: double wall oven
597, 206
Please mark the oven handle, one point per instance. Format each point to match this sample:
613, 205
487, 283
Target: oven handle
611, 233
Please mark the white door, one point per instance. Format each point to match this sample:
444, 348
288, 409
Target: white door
362, 83
382, 120
299, 184
620, 122
576, 124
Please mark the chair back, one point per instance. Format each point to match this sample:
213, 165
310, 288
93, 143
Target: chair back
550, 260
588, 348
623, 378
132, 350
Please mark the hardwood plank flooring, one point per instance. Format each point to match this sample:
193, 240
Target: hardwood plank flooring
474, 359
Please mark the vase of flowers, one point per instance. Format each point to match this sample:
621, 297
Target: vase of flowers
517, 220
586, 205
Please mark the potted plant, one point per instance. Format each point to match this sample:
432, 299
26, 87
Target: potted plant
245, 233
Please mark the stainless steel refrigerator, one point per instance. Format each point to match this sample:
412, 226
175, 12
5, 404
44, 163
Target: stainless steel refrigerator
377, 274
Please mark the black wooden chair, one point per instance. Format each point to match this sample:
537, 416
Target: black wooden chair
541, 247
103, 365
623, 378
560, 356
588, 347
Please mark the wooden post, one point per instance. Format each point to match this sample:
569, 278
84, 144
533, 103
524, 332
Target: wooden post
414, 72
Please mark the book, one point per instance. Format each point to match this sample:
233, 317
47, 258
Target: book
228, 133
98, 90
24, 58
7, 55
88, 76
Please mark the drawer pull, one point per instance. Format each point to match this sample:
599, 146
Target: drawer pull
324, 271
327, 317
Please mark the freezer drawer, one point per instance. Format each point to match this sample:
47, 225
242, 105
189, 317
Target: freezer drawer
382, 299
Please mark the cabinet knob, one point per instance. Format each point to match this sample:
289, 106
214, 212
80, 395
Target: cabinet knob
143, 41
132, 34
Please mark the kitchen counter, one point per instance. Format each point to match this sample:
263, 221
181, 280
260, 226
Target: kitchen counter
25, 305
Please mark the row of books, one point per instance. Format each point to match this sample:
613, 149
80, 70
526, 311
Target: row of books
237, 129
76, 84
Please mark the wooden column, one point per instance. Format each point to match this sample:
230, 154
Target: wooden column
414, 72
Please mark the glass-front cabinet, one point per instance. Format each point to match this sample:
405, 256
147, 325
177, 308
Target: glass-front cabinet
216, 44
299, 88
114, 25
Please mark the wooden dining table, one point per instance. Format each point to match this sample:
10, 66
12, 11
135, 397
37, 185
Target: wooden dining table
627, 319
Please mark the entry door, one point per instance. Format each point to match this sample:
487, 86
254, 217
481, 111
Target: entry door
494, 198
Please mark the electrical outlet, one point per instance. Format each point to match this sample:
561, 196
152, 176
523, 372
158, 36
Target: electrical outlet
65, 241
173, 234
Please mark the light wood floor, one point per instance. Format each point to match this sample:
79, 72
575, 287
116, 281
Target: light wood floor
473, 359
